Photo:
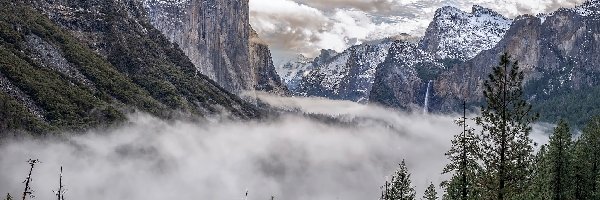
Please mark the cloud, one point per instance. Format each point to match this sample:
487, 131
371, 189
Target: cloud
294, 27
364, 5
292, 157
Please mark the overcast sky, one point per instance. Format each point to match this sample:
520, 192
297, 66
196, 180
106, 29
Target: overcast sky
294, 27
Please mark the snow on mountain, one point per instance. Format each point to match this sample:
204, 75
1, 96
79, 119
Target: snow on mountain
455, 34
291, 72
348, 75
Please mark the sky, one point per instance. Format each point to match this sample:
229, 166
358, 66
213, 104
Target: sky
293, 27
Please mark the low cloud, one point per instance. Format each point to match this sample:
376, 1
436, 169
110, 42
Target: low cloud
292, 157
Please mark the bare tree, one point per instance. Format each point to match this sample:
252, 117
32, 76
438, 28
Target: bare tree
28, 190
60, 193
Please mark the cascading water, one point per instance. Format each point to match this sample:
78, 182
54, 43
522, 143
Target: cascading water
426, 104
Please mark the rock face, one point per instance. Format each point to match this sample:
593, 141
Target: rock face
454, 34
216, 36
556, 51
402, 80
265, 77
74, 65
348, 75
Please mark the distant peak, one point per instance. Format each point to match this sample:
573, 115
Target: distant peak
591, 4
480, 10
448, 9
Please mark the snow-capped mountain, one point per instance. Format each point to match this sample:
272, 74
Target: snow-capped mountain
455, 34
348, 75
457, 53
291, 72
403, 79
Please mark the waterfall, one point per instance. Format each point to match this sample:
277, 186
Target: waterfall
426, 104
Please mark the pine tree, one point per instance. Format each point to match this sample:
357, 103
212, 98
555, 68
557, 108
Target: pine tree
559, 163
463, 156
587, 167
400, 187
580, 171
8, 197
430, 193
539, 187
506, 149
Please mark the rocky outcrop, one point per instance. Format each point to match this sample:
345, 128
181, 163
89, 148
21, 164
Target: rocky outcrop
74, 65
402, 80
264, 75
454, 34
217, 37
554, 51
348, 75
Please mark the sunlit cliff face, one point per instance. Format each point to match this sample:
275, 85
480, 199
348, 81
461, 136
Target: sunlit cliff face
292, 157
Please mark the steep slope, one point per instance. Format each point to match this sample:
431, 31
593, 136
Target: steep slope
454, 34
85, 64
293, 71
555, 50
265, 77
404, 78
348, 75
213, 34
217, 37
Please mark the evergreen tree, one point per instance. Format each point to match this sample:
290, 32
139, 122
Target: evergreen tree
580, 171
463, 164
430, 193
587, 169
400, 187
559, 166
8, 197
539, 187
506, 149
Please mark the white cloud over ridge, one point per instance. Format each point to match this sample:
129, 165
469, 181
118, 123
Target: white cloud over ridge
293, 157
294, 27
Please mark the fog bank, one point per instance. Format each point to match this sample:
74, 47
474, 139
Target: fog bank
292, 157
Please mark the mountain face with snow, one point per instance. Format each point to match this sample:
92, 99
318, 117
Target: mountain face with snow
294, 70
348, 75
556, 51
451, 62
217, 37
402, 80
454, 34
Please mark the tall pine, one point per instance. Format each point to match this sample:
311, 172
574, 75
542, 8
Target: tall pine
559, 163
539, 187
587, 164
400, 187
463, 166
506, 149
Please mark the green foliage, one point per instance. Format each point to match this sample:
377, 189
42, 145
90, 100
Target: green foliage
430, 193
587, 161
400, 187
15, 116
140, 70
506, 149
539, 187
463, 156
559, 161
575, 106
